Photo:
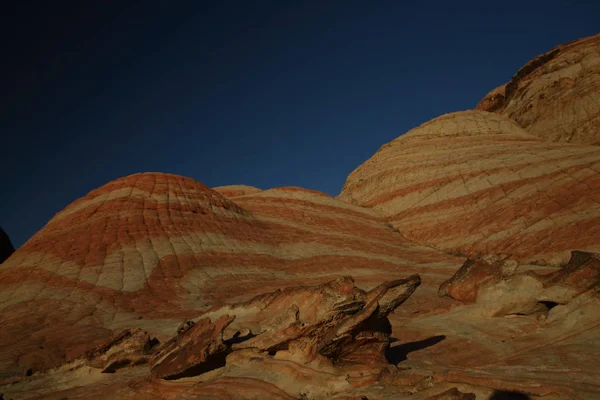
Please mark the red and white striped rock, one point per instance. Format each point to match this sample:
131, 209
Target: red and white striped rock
475, 181
556, 95
151, 250
136, 257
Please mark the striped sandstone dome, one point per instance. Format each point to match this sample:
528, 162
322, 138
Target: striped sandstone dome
151, 250
556, 95
474, 181
236, 190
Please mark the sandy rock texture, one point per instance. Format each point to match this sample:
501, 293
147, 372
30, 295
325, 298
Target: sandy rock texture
151, 250
556, 95
475, 181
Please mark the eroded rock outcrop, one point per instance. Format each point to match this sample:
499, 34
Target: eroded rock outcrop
556, 95
500, 290
475, 182
129, 348
331, 325
193, 351
475, 273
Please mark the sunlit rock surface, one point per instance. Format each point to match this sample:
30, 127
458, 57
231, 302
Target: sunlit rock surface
556, 95
474, 181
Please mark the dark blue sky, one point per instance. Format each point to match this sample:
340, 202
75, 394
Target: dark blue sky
260, 93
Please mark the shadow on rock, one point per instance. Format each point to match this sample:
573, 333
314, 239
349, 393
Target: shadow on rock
398, 353
506, 395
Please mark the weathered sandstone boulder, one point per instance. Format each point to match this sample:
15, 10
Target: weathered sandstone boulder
193, 351
556, 95
475, 273
499, 290
333, 324
129, 348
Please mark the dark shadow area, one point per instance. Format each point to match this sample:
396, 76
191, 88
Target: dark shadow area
237, 338
506, 395
112, 368
398, 353
6, 247
150, 345
214, 362
548, 304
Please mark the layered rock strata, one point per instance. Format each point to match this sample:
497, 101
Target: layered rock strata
556, 95
150, 250
474, 181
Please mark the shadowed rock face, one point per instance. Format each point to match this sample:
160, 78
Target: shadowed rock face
473, 181
6, 247
556, 95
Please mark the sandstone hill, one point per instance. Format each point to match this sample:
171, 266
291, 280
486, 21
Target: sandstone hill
459, 262
150, 250
556, 95
474, 181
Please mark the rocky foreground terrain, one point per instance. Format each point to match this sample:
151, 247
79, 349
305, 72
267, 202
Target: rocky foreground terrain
459, 262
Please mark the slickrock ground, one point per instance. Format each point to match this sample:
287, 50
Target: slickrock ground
6, 247
475, 181
157, 287
556, 95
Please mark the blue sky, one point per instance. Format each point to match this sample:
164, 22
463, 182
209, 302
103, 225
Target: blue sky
259, 93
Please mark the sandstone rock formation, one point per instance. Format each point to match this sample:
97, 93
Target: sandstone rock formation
157, 287
6, 247
194, 351
500, 290
236, 190
333, 329
556, 95
474, 274
150, 250
474, 181
129, 348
